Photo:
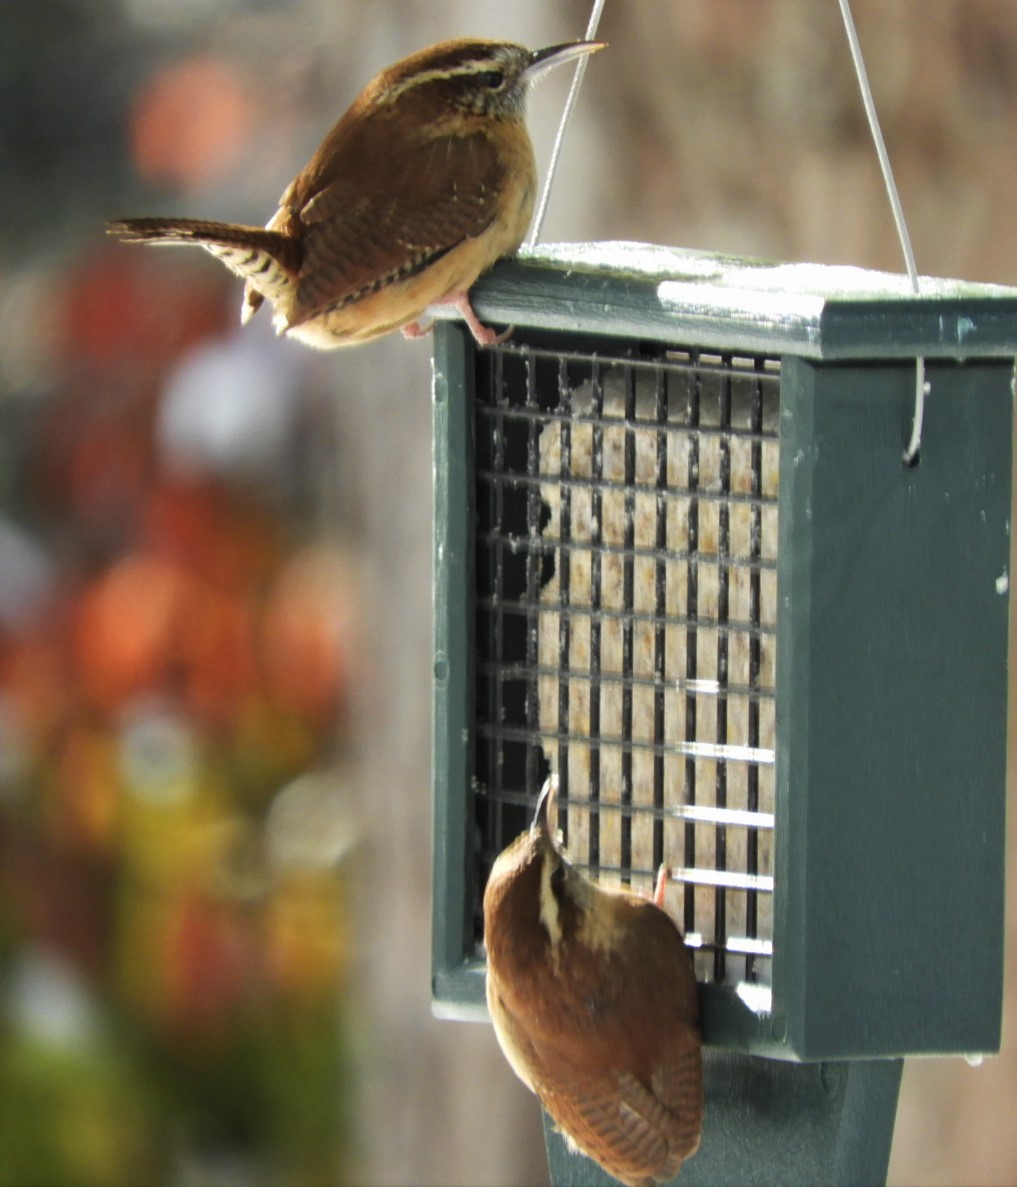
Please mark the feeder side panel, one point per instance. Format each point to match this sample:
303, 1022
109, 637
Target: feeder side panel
453, 665
892, 689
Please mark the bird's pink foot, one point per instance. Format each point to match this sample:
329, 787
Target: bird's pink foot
460, 302
482, 335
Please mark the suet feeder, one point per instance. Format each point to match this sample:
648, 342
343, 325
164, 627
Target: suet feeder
679, 560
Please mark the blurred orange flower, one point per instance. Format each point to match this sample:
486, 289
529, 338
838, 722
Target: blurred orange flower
190, 122
306, 633
125, 634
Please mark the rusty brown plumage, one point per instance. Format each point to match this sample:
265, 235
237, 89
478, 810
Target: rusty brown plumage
424, 183
595, 1004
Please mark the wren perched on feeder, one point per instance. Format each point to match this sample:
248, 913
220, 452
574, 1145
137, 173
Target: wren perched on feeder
424, 183
594, 1001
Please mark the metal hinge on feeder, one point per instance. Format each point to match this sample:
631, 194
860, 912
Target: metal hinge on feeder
678, 558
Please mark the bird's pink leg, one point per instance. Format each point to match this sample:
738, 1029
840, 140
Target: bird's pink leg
483, 335
660, 889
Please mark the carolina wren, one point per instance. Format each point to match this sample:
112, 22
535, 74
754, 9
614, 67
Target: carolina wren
595, 1005
424, 183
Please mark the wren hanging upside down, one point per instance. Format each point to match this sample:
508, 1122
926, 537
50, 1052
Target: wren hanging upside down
424, 183
595, 1005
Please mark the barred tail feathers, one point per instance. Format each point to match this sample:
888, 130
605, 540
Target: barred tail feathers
267, 260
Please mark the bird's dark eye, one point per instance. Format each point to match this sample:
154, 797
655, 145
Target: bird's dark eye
492, 79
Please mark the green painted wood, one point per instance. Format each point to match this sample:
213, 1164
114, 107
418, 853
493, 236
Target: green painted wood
641, 291
767, 1122
451, 760
891, 637
891, 710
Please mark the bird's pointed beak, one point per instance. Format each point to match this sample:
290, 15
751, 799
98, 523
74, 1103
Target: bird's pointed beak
555, 55
545, 802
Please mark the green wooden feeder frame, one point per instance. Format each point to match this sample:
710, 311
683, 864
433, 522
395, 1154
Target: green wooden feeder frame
891, 676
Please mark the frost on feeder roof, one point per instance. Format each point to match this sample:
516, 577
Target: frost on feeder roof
639, 290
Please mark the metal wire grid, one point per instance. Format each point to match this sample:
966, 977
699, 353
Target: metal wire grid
625, 542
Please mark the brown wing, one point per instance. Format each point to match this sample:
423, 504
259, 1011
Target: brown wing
374, 206
638, 1110
636, 1132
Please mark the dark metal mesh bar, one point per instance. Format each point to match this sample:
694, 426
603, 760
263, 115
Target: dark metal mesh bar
755, 653
564, 570
496, 620
597, 476
723, 610
691, 638
628, 599
533, 558
659, 610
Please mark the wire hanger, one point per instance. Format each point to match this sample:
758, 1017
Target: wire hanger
914, 445
911, 452
563, 126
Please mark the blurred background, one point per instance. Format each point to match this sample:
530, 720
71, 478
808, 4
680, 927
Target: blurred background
215, 557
